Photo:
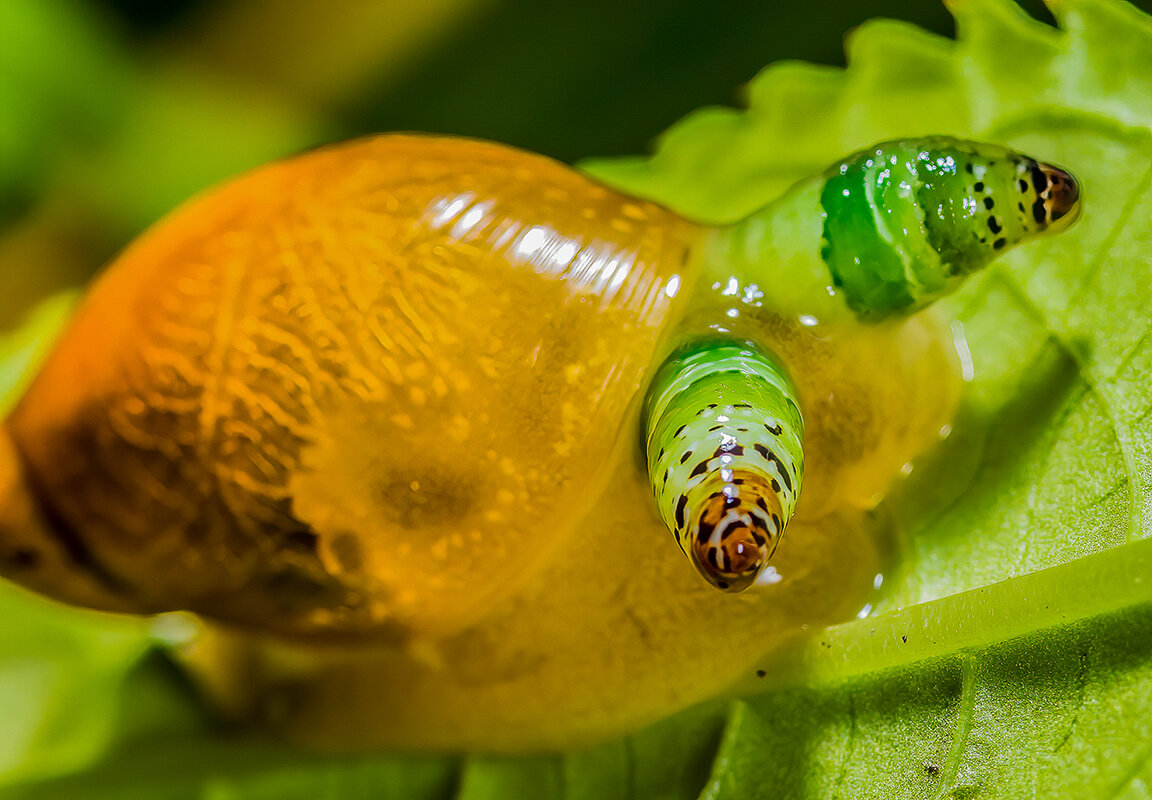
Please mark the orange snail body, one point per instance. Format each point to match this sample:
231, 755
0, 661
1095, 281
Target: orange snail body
376, 313
380, 402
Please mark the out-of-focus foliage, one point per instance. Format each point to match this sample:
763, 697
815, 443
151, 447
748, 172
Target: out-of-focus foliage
1011, 657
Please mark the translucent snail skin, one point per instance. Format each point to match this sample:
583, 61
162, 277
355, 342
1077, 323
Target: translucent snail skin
419, 427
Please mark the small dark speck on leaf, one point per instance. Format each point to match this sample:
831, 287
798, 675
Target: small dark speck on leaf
904, 638
760, 673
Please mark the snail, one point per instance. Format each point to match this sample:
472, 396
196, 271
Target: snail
421, 426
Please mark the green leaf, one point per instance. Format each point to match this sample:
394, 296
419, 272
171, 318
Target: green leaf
1011, 655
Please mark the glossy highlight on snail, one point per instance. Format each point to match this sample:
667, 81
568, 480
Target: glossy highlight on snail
389, 393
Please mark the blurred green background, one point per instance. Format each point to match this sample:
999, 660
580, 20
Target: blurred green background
114, 111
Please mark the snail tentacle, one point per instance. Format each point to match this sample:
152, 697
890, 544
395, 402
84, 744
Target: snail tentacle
905, 222
725, 457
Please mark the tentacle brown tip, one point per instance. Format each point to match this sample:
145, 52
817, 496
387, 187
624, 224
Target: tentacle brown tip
736, 536
1061, 196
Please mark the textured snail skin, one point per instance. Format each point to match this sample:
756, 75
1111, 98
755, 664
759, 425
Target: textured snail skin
373, 411
319, 399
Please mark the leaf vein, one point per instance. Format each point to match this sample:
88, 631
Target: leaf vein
850, 755
1081, 690
964, 718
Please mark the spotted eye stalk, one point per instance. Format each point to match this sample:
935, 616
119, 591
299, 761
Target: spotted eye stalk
907, 221
725, 457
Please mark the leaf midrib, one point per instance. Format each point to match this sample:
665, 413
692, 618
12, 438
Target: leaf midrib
968, 620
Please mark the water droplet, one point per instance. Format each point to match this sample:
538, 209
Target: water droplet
769, 577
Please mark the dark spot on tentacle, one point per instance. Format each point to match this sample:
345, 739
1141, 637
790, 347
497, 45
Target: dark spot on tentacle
680, 505
731, 448
770, 456
704, 528
742, 405
994, 225
679, 431
701, 468
760, 501
1039, 211
1023, 185
660, 455
715, 428
968, 168
1039, 179
777, 431
684, 458
989, 203
979, 186
775, 485
1021, 207
999, 243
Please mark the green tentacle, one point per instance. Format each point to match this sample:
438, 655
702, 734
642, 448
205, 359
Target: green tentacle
890, 229
905, 221
725, 457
